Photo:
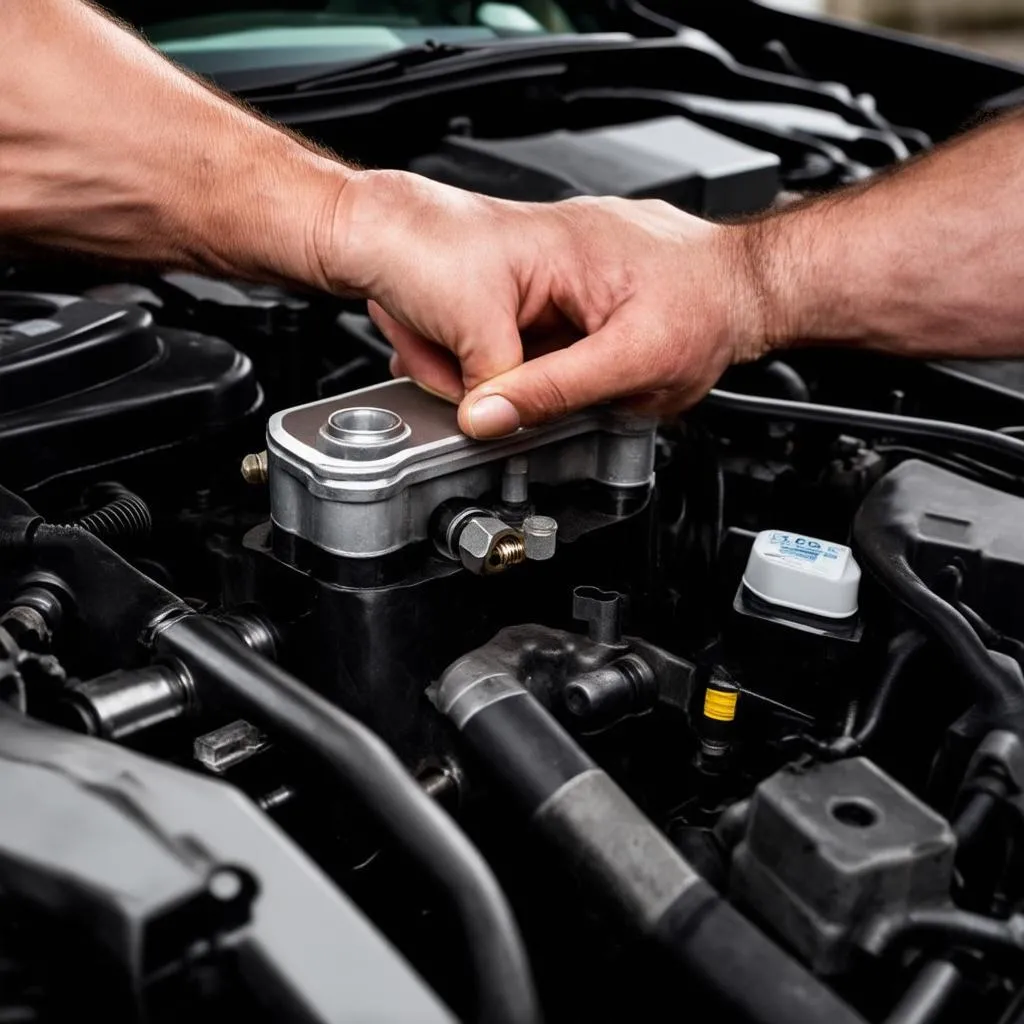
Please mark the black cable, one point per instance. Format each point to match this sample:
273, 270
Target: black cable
361, 761
944, 928
868, 420
970, 468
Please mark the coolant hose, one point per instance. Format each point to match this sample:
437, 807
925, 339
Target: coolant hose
609, 844
367, 768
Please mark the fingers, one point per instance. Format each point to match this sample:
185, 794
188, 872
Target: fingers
609, 364
431, 366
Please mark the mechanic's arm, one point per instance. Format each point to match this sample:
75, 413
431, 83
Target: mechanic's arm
106, 148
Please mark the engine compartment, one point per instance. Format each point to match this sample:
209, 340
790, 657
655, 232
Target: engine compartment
311, 708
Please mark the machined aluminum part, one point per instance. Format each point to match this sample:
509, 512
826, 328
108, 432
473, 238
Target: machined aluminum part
360, 474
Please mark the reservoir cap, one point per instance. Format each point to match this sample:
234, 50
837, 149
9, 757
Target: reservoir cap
805, 574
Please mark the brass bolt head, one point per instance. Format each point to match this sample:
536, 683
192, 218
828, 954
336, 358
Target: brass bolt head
254, 468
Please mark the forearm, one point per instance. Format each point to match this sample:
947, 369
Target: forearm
926, 261
107, 148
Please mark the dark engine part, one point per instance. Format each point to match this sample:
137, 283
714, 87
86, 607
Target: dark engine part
165, 876
740, 733
943, 520
112, 383
669, 158
385, 516
856, 844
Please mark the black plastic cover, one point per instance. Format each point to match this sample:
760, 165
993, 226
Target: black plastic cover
94, 382
668, 158
947, 519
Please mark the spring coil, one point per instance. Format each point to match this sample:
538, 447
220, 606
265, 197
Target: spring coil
122, 516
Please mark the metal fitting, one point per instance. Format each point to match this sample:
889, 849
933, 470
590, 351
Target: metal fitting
540, 537
254, 468
515, 481
487, 545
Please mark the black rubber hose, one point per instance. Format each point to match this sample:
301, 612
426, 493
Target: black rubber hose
944, 928
901, 651
611, 847
123, 515
868, 420
882, 548
928, 997
361, 762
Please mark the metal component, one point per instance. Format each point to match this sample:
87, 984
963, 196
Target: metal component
540, 535
223, 748
276, 798
123, 703
829, 846
27, 626
515, 481
440, 783
449, 543
626, 686
366, 501
601, 610
362, 433
507, 552
254, 468
487, 545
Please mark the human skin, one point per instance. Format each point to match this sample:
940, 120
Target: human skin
519, 312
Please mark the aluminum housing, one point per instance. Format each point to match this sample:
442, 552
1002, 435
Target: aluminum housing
359, 475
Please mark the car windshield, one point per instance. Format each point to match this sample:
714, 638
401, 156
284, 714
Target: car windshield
246, 36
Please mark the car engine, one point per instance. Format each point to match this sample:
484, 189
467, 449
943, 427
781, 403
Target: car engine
314, 709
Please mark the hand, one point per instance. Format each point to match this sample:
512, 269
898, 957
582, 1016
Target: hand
524, 312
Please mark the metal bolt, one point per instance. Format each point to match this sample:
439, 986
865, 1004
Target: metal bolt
540, 536
487, 545
254, 468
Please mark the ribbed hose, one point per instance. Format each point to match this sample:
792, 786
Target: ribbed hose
122, 515
366, 767
611, 847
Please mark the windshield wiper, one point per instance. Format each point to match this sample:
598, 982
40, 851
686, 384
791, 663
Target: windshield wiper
385, 65
394, 64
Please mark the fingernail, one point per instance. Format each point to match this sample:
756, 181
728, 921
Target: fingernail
493, 416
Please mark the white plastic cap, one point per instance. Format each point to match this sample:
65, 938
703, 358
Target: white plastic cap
789, 570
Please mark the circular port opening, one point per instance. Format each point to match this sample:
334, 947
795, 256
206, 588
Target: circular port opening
363, 433
365, 425
855, 813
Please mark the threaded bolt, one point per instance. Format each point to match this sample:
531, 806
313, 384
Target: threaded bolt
254, 468
506, 552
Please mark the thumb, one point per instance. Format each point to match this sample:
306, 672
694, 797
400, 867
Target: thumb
610, 363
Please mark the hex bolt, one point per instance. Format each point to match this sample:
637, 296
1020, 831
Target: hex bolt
540, 537
487, 545
254, 468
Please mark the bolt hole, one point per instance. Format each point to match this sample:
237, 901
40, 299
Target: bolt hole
855, 813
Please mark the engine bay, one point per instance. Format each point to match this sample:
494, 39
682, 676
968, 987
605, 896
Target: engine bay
315, 709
